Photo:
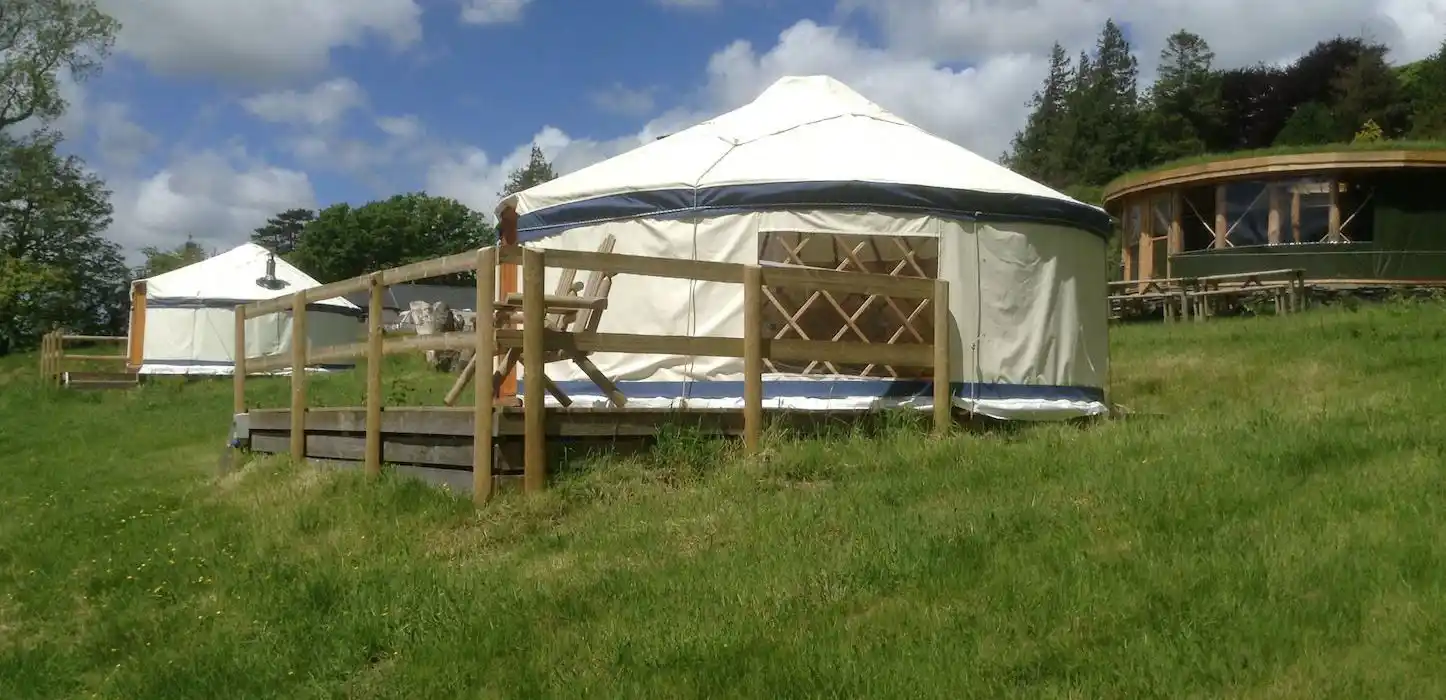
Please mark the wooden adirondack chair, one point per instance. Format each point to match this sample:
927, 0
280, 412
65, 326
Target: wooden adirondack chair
582, 315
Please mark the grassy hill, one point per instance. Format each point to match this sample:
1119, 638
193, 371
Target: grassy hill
1278, 533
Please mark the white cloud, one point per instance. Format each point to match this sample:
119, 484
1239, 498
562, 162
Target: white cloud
206, 195
492, 11
1240, 31
256, 40
122, 142
473, 178
620, 99
407, 126
322, 105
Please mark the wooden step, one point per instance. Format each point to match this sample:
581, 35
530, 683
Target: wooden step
101, 380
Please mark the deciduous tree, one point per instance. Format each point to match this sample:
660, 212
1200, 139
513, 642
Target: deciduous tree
65, 273
39, 38
346, 241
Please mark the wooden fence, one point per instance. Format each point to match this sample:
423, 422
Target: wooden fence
535, 340
54, 358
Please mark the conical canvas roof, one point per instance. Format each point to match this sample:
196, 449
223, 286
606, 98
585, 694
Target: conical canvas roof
233, 275
805, 141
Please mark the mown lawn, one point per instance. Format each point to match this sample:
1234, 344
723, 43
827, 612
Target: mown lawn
1276, 532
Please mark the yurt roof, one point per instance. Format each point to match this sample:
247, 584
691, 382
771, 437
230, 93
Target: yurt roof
806, 141
233, 276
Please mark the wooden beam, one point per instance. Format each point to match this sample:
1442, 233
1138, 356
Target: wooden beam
376, 356
298, 377
1222, 219
943, 393
238, 363
1333, 230
486, 347
507, 276
534, 315
1272, 226
752, 358
136, 335
1175, 235
1295, 215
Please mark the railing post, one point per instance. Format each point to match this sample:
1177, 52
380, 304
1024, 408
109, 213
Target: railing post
943, 394
752, 358
375, 355
57, 369
45, 357
298, 376
238, 368
482, 360
534, 465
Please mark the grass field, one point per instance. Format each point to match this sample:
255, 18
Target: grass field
1277, 533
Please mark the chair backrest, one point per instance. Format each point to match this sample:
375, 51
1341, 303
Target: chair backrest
598, 285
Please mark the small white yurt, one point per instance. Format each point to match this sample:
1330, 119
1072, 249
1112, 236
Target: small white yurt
813, 174
183, 321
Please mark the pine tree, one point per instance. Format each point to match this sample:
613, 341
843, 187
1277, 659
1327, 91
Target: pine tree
1105, 111
537, 171
1036, 151
1184, 102
281, 233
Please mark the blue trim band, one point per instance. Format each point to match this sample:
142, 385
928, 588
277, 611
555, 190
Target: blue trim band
842, 194
231, 304
823, 389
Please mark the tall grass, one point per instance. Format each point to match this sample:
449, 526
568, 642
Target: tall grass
1275, 533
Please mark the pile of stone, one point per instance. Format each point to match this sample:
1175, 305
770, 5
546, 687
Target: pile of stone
436, 317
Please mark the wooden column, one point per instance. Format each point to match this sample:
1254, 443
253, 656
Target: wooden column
298, 376
1222, 220
1175, 236
1333, 231
1147, 241
752, 358
1272, 226
45, 358
238, 364
484, 351
507, 235
376, 356
534, 465
136, 336
943, 393
1295, 213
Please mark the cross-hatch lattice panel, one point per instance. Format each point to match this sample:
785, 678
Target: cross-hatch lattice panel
867, 318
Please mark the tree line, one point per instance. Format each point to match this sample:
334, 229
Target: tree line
1091, 122
58, 269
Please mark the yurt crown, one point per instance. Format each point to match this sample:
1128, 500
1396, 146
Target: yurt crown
269, 280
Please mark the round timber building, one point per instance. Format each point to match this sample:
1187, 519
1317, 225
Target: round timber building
1350, 217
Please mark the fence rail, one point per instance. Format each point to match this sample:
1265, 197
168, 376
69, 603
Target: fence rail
535, 341
53, 356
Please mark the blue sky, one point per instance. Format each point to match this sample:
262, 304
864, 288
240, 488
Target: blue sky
212, 115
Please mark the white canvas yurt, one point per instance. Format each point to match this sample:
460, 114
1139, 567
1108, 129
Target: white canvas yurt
183, 321
812, 173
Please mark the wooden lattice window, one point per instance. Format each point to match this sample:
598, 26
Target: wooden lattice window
792, 313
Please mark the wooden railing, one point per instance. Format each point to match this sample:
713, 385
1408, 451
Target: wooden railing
53, 356
534, 340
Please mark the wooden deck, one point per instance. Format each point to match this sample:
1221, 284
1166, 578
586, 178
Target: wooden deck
436, 443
